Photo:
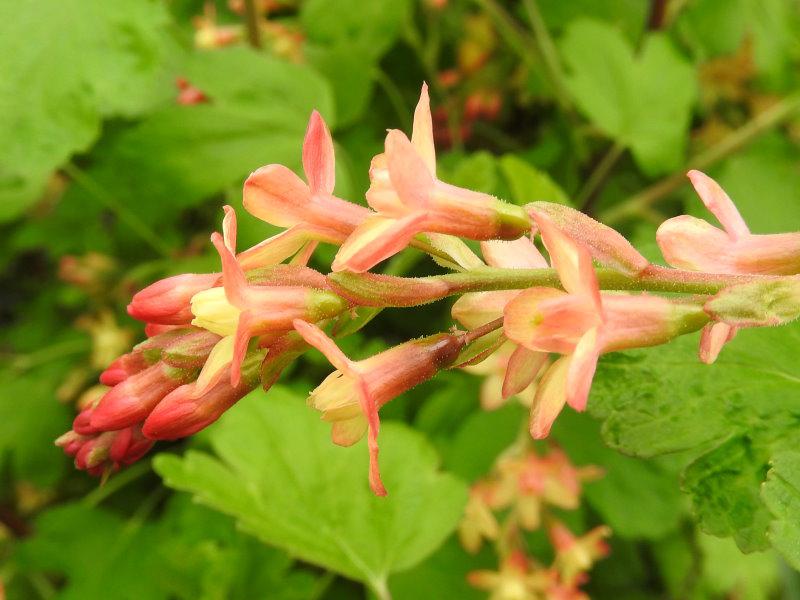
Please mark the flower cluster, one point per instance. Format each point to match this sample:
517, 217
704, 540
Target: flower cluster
525, 487
544, 321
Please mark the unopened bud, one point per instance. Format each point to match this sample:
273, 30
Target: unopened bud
759, 303
167, 301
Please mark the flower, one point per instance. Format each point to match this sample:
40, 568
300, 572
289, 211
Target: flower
581, 324
697, 245
513, 368
166, 302
239, 311
102, 452
351, 396
517, 579
576, 555
311, 212
409, 199
694, 244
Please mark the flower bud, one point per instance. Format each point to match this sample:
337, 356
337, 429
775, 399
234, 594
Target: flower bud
183, 413
372, 289
757, 304
132, 400
166, 302
606, 246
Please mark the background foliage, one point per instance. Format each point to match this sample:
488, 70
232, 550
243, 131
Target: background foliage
107, 182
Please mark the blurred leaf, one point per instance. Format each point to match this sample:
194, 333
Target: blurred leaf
529, 184
714, 27
285, 482
741, 410
191, 552
729, 573
635, 497
781, 492
476, 171
625, 95
66, 64
630, 16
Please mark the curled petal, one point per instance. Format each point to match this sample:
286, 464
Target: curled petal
376, 239
233, 278
318, 157
572, 260
422, 135
720, 204
317, 338
348, 431
713, 338
517, 254
550, 398
241, 340
276, 195
523, 367
281, 246
581, 369
229, 228
370, 410
408, 172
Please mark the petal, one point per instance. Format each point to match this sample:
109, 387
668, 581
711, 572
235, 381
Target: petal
518, 254
523, 367
713, 338
376, 239
696, 245
582, 368
720, 204
276, 195
233, 278
214, 368
317, 338
572, 260
241, 340
304, 255
478, 308
550, 398
422, 135
349, 431
229, 228
370, 409
318, 158
409, 175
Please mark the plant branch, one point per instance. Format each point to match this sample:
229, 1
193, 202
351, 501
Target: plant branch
251, 23
768, 119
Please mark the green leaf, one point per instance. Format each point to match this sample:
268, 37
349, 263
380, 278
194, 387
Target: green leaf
529, 184
476, 171
781, 493
635, 497
277, 472
67, 64
624, 95
181, 155
734, 416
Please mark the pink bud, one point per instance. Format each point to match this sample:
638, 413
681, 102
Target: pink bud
132, 400
166, 302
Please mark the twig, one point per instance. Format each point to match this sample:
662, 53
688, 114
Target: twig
768, 119
251, 22
118, 208
658, 14
594, 183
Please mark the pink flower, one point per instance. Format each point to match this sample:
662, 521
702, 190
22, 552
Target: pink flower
581, 324
239, 311
696, 245
409, 199
310, 211
513, 368
351, 396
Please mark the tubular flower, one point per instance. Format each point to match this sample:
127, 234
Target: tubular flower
351, 396
694, 244
239, 311
514, 368
311, 212
409, 199
581, 324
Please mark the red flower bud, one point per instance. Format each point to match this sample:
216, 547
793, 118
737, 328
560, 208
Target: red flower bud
166, 302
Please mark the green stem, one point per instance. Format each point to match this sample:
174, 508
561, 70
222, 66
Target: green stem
549, 54
136, 225
116, 483
394, 96
368, 289
768, 119
251, 23
600, 173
